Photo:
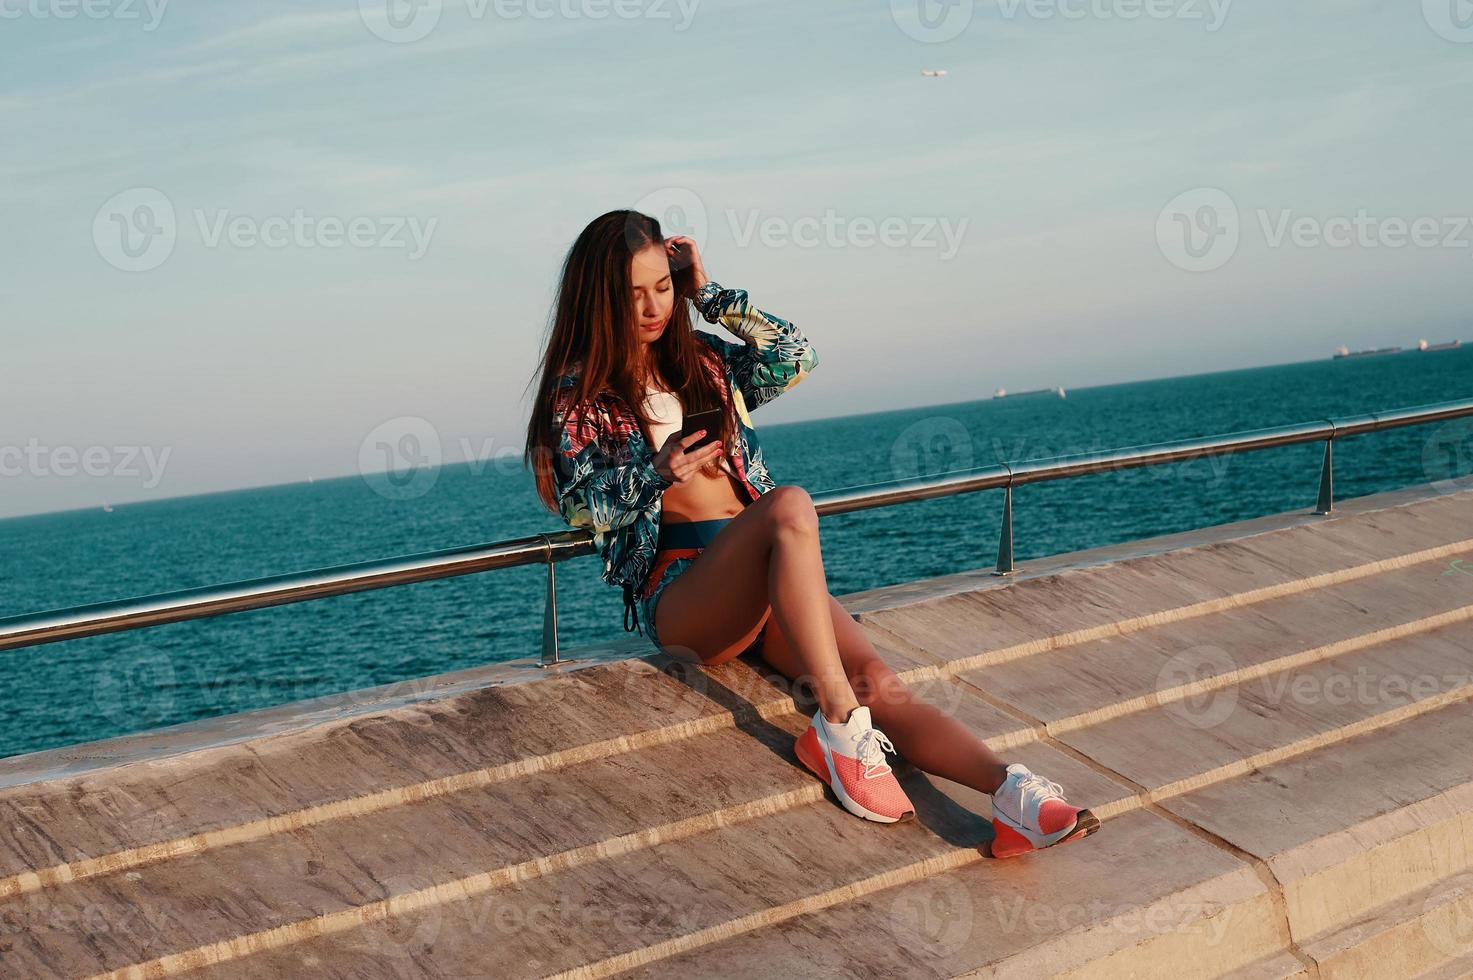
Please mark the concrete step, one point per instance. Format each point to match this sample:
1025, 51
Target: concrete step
1262, 813
1425, 931
974, 620
1356, 826
476, 839
1071, 687
904, 900
131, 814
1226, 731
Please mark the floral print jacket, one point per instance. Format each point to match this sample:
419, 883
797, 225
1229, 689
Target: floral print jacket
604, 470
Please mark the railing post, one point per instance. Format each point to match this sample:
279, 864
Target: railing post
1005, 536
1327, 479
549, 611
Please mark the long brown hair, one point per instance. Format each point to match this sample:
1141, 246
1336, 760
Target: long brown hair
593, 322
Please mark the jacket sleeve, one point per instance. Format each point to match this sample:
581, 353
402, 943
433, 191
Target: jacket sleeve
774, 355
592, 490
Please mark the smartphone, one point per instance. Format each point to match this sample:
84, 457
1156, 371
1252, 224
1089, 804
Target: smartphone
710, 420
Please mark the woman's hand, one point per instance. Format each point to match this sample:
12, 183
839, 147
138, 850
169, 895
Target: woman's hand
678, 466
686, 258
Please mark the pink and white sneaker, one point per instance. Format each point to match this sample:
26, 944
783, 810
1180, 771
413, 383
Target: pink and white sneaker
1030, 813
851, 759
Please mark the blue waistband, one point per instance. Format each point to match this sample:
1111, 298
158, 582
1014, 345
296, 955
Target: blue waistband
690, 534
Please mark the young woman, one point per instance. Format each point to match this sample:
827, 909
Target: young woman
714, 558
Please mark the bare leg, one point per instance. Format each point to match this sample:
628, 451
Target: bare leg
928, 737
766, 562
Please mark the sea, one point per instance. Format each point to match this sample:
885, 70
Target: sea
98, 687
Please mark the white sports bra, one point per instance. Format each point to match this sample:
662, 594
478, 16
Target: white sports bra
663, 408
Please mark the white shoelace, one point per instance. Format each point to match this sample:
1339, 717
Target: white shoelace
871, 749
1039, 786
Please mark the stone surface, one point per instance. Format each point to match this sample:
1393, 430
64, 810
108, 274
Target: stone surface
1271, 718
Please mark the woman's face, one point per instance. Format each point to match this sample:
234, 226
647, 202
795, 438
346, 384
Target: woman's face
654, 293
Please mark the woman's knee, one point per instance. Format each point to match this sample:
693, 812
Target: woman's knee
791, 509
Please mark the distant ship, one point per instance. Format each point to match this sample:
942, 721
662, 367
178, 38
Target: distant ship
1423, 345
1004, 393
1344, 351
933, 72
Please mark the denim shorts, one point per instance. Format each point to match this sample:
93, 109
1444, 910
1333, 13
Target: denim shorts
679, 544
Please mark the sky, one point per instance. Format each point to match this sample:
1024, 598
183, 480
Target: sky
248, 244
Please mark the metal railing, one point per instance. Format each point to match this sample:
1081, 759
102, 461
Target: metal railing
553, 547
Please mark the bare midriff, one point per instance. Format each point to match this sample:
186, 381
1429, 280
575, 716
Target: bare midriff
704, 498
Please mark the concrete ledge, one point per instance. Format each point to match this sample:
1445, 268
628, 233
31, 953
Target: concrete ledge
641, 816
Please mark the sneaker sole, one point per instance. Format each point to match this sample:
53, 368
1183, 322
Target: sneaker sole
815, 759
1010, 840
